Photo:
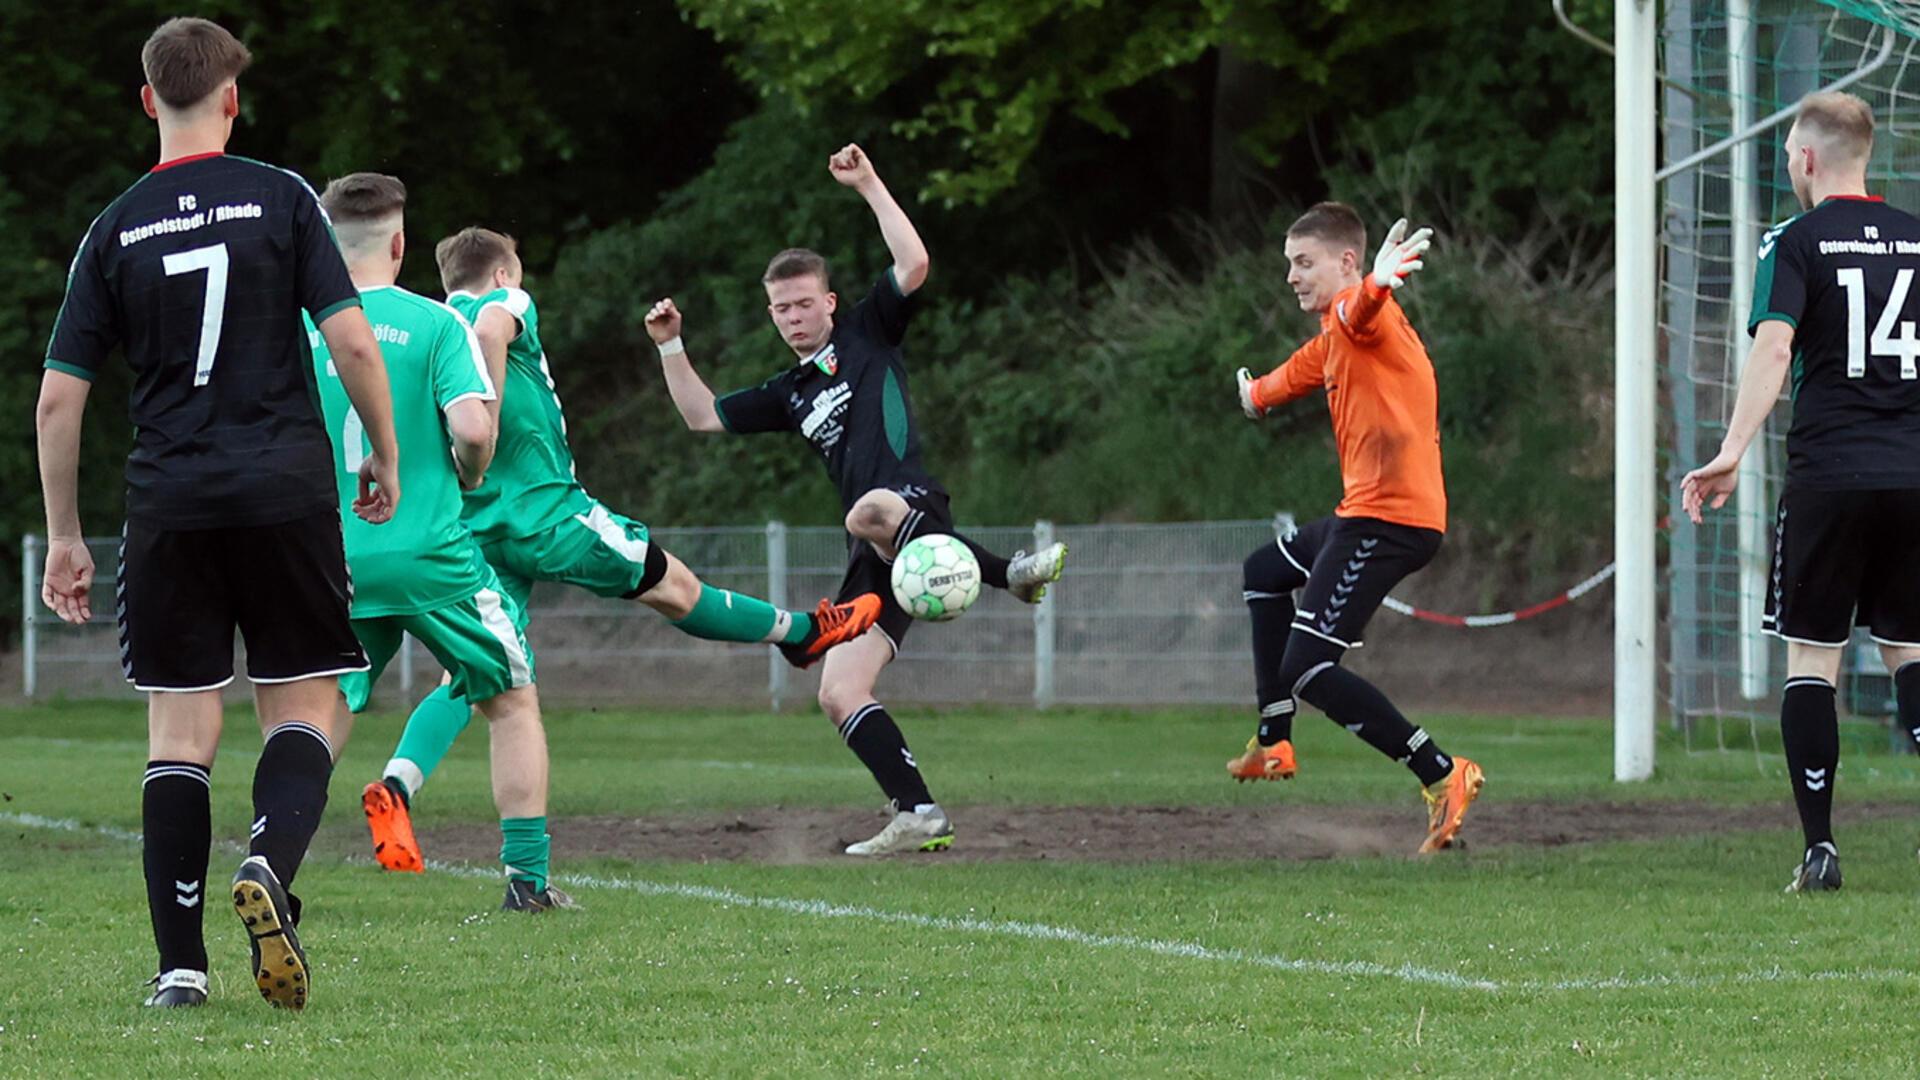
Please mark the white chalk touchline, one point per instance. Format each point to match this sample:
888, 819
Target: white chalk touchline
1185, 950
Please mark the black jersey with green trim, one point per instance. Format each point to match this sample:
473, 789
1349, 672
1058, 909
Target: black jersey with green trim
849, 400
1842, 275
198, 274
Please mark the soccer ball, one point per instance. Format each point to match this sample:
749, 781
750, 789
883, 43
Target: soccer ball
936, 578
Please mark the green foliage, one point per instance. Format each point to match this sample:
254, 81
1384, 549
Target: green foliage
1469, 91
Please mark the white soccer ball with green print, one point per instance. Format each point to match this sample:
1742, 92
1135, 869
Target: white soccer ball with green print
936, 578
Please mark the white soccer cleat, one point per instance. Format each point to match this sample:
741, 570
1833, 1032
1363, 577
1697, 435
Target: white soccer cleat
924, 828
1029, 575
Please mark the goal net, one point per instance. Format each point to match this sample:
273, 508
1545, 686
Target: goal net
1728, 66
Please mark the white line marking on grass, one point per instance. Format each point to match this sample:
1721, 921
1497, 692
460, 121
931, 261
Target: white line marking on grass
1184, 950
821, 909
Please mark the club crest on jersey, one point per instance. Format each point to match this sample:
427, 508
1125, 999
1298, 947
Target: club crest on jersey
826, 360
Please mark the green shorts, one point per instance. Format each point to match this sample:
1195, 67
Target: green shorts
600, 551
481, 641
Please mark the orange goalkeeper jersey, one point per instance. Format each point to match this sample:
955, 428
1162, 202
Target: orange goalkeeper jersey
1385, 405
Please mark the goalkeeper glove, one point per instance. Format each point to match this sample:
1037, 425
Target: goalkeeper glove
1245, 379
1400, 255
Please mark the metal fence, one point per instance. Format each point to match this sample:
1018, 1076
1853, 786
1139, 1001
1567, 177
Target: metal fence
1145, 614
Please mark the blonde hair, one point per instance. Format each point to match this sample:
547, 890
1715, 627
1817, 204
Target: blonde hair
1841, 122
468, 256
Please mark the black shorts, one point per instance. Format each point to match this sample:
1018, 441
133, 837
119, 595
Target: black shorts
1349, 565
182, 593
927, 512
1843, 559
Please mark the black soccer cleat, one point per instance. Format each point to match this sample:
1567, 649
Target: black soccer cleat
1818, 872
178, 989
521, 896
279, 963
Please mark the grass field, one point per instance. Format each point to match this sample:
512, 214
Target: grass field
1660, 958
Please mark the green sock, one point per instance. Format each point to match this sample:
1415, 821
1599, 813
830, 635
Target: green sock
436, 722
720, 615
524, 848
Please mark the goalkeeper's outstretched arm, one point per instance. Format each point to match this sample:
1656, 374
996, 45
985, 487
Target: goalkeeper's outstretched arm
690, 392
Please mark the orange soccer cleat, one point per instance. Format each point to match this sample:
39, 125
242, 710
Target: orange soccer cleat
1263, 762
1447, 802
833, 624
392, 827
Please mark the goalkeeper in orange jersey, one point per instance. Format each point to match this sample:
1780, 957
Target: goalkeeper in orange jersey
1381, 391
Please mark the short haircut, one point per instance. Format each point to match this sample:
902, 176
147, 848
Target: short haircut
1842, 122
468, 256
1333, 223
363, 196
796, 263
188, 59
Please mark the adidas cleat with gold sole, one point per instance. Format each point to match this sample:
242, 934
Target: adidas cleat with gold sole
279, 963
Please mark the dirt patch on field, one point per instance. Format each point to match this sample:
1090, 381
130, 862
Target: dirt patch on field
1131, 833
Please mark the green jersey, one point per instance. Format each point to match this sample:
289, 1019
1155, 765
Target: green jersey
531, 486
424, 558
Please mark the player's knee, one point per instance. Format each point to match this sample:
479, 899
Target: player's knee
839, 700
676, 593
1306, 658
875, 516
1268, 571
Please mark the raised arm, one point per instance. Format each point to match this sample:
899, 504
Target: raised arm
1399, 256
363, 374
495, 329
852, 167
689, 391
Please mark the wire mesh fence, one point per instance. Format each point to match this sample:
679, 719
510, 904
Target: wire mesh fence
1145, 614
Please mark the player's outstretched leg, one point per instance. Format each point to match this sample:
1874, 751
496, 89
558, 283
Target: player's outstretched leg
890, 520
1449, 785
846, 696
700, 610
176, 825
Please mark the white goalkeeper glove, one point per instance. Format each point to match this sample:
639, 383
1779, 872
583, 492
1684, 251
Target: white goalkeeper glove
1400, 255
1245, 379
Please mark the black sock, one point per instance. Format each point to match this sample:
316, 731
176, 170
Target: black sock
1811, 730
1267, 581
1906, 696
1361, 708
289, 792
1272, 623
993, 568
176, 822
876, 740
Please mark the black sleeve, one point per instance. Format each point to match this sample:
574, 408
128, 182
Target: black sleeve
1780, 278
886, 311
757, 408
88, 326
322, 285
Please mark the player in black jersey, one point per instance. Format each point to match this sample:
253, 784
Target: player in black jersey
1835, 308
846, 394
197, 274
